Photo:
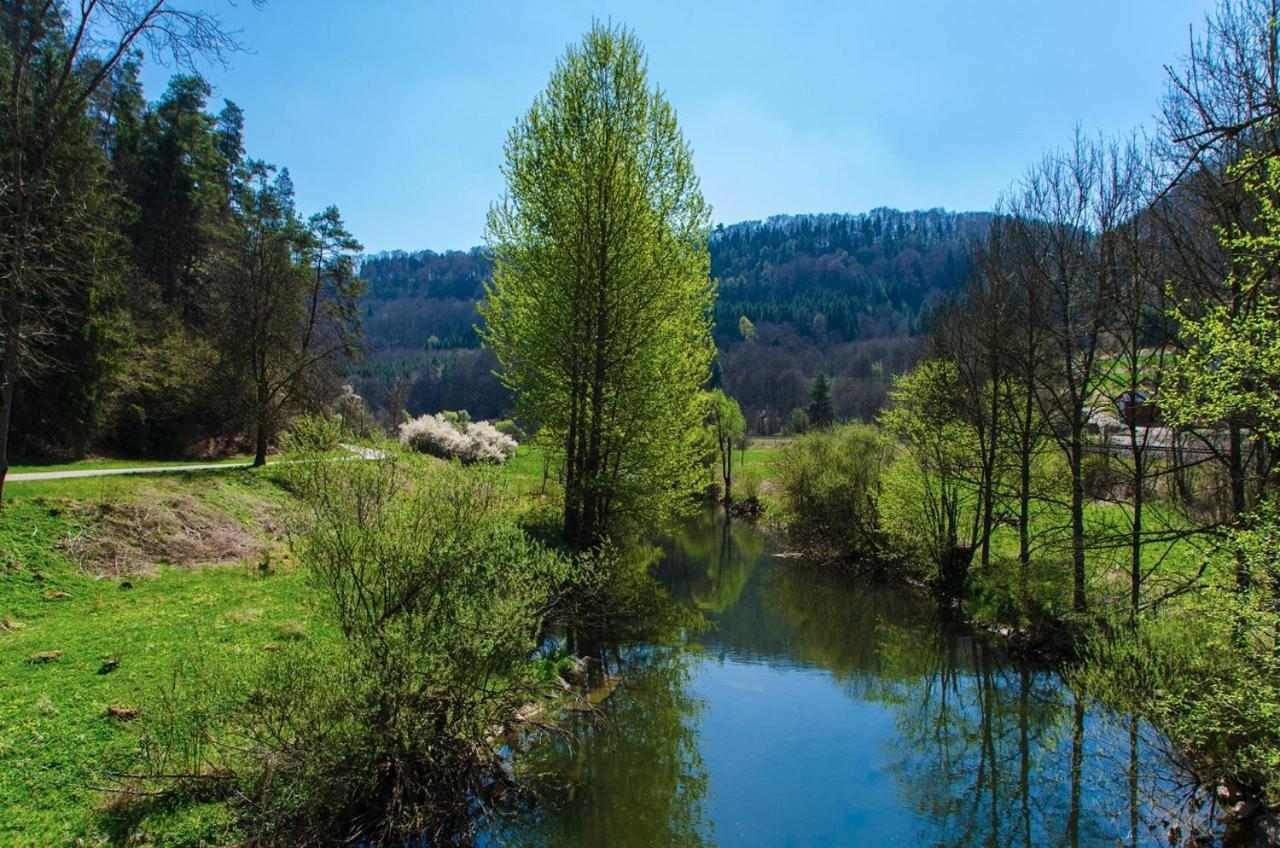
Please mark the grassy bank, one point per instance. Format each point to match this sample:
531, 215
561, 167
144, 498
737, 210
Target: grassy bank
94, 627
118, 592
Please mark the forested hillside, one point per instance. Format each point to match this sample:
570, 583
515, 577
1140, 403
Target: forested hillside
842, 295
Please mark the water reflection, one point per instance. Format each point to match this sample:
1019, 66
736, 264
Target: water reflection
819, 711
633, 776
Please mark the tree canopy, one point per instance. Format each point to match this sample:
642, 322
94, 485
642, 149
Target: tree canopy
599, 306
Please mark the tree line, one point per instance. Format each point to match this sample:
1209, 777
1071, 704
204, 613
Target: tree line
162, 293
1089, 444
1088, 327
846, 296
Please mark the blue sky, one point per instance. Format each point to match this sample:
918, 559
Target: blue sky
396, 111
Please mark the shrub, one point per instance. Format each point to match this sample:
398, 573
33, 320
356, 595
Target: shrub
1099, 476
434, 436
313, 434
508, 427
469, 441
829, 489
355, 415
384, 731
1200, 681
486, 444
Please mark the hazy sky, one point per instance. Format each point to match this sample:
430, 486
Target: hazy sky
396, 111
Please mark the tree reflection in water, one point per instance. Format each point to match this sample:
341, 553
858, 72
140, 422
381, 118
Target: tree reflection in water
631, 776
989, 751
817, 709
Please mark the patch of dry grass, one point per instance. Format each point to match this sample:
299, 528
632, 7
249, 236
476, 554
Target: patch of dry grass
131, 537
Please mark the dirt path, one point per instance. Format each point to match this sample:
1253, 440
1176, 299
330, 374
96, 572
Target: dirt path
33, 476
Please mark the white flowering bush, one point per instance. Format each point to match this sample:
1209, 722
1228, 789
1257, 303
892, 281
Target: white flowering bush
487, 444
469, 441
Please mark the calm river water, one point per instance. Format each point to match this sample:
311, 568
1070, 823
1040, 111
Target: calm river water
817, 710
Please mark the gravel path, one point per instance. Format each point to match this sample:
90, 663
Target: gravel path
32, 476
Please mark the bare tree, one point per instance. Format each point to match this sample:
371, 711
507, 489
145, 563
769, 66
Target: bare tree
1140, 339
53, 57
1222, 102
1225, 95
973, 337
1010, 279
1067, 207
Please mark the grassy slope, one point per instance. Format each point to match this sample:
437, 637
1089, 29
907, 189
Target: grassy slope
55, 737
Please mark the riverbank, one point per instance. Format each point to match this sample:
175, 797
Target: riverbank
1166, 644
119, 594
820, 708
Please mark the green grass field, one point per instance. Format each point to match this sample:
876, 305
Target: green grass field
62, 622
57, 741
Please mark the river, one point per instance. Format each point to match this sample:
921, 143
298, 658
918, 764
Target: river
815, 709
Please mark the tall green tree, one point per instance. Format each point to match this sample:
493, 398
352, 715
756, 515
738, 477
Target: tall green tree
942, 447
290, 297
599, 306
727, 426
1228, 371
54, 57
821, 411
180, 186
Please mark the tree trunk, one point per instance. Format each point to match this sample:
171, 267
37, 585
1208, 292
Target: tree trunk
13, 308
1077, 521
1024, 499
1135, 538
727, 467
1239, 495
260, 444
593, 519
572, 484
12, 357
989, 470
7, 380
987, 520
263, 432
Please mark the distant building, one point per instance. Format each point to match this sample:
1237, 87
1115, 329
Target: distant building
1137, 409
767, 422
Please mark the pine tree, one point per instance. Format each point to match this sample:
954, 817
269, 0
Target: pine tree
54, 59
821, 411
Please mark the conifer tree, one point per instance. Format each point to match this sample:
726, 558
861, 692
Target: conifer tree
821, 410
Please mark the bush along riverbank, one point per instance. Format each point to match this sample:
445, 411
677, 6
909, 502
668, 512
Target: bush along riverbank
890, 500
338, 658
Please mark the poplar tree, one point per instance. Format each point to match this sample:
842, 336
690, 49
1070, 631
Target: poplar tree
599, 308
